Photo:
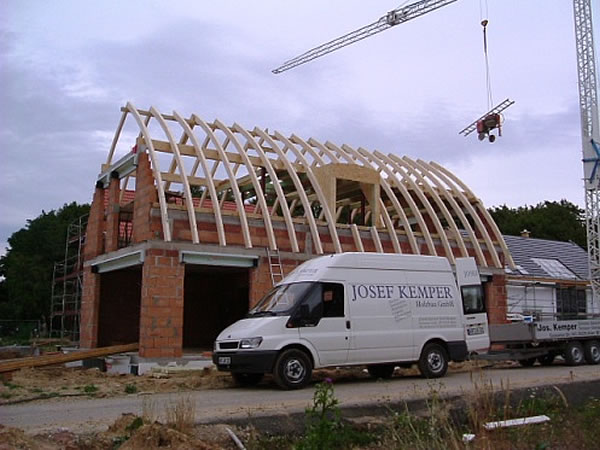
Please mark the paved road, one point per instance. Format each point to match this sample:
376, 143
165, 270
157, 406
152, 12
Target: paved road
237, 403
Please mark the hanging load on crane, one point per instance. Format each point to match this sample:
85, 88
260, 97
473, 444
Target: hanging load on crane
487, 123
492, 120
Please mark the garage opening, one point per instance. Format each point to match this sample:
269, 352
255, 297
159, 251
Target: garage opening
119, 313
214, 297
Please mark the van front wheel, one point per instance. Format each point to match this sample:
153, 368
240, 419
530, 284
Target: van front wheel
293, 369
433, 362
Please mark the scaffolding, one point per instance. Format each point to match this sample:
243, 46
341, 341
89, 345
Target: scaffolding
67, 284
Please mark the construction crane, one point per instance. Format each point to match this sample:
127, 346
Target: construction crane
588, 106
394, 17
588, 101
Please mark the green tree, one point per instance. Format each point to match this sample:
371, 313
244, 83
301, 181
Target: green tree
27, 266
559, 221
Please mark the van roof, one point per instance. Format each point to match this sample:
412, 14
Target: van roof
318, 267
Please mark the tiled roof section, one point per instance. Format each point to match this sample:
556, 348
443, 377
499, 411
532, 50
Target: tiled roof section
523, 251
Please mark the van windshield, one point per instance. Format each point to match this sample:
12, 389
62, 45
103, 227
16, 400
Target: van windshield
281, 300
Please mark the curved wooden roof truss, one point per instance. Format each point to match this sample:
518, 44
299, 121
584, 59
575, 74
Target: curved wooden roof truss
397, 203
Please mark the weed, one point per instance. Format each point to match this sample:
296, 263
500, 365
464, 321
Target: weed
149, 410
431, 431
130, 389
90, 389
5, 395
535, 405
324, 429
181, 414
119, 440
36, 390
135, 424
11, 386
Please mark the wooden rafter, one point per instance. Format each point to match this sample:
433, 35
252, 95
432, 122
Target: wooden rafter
272, 177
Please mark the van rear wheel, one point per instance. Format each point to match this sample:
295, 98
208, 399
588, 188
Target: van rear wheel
433, 362
381, 370
293, 369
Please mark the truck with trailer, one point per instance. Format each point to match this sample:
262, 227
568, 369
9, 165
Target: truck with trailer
528, 341
383, 311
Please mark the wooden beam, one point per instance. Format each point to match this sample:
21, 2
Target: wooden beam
11, 365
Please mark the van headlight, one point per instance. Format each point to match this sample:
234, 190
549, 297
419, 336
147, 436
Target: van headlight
251, 342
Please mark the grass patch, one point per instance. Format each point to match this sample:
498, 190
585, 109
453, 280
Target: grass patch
130, 389
90, 389
181, 414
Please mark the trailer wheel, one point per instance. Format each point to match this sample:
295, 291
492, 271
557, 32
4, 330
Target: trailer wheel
433, 362
574, 355
247, 379
591, 351
547, 359
381, 370
527, 362
293, 369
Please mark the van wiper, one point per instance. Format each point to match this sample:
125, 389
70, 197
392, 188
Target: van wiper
261, 313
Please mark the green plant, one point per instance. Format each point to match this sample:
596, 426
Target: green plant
324, 428
135, 424
90, 389
432, 430
5, 395
11, 386
130, 389
322, 418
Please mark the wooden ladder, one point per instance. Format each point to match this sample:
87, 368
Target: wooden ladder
275, 267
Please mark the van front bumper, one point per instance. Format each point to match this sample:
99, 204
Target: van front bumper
245, 362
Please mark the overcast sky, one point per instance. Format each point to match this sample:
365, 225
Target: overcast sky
66, 67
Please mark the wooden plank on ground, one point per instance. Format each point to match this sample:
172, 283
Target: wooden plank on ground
11, 365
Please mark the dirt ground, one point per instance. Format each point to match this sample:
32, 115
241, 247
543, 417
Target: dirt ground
42, 383
50, 382
131, 432
127, 433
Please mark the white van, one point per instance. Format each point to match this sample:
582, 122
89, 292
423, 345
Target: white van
378, 310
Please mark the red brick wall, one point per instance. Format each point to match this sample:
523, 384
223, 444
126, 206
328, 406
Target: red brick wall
161, 317
90, 301
495, 293
112, 216
145, 196
90, 297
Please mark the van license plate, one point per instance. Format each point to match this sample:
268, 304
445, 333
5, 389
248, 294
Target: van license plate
224, 360
474, 331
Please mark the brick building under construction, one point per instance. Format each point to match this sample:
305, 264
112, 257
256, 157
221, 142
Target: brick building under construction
198, 219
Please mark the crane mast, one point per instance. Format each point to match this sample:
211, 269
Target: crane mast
394, 17
588, 104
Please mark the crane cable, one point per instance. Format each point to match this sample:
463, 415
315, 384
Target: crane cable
488, 79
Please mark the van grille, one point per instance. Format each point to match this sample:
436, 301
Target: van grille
228, 345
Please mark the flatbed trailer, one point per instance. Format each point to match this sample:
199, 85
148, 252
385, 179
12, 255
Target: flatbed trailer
577, 341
